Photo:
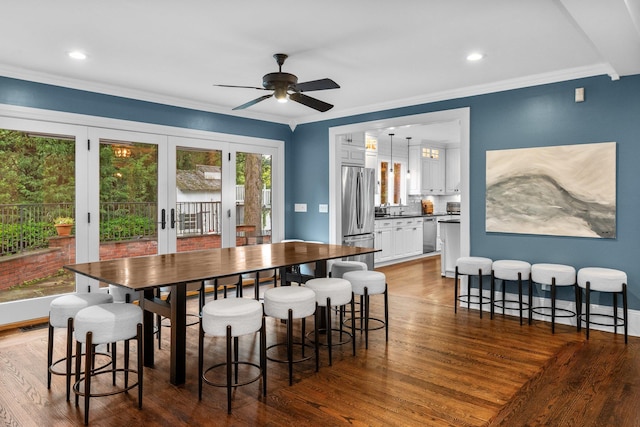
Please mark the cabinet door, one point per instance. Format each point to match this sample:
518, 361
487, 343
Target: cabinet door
452, 171
416, 239
383, 242
437, 174
415, 169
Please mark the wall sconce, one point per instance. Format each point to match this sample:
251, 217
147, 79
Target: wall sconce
122, 152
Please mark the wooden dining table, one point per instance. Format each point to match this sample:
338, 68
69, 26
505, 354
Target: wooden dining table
146, 273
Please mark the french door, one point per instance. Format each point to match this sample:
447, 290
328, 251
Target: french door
144, 193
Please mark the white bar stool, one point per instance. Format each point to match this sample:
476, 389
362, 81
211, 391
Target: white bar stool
107, 324
62, 310
472, 266
603, 280
333, 292
514, 270
338, 268
365, 284
232, 318
289, 303
554, 275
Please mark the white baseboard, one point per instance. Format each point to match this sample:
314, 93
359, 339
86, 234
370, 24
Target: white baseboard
633, 315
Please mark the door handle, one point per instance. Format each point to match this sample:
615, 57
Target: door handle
163, 218
173, 218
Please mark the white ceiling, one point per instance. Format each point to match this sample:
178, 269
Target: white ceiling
384, 54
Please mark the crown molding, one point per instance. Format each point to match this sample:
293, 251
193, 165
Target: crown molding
504, 85
138, 95
517, 83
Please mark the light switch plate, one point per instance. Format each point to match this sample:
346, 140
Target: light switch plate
323, 208
300, 207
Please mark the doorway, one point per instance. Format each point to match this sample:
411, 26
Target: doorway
461, 114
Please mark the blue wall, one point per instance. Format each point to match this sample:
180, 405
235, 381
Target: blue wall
538, 116
530, 117
48, 97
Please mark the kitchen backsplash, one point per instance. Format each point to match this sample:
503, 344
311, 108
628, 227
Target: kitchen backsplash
439, 203
414, 205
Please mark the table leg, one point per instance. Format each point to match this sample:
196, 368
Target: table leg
178, 333
147, 320
321, 271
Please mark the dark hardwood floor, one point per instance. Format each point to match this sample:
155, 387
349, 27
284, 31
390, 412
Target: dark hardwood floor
438, 368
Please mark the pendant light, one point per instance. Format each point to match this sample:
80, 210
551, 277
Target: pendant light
408, 163
391, 143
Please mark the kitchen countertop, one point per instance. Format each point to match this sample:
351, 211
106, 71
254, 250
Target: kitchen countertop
414, 216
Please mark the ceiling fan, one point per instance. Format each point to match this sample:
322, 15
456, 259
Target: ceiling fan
285, 86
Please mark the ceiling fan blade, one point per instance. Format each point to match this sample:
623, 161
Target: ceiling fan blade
253, 102
316, 104
321, 84
243, 87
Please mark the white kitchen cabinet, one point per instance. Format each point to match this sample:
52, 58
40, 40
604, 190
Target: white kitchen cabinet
433, 171
415, 242
407, 237
452, 171
439, 232
352, 149
383, 240
415, 168
397, 238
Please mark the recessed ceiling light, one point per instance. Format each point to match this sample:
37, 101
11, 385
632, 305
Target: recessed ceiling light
76, 54
476, 56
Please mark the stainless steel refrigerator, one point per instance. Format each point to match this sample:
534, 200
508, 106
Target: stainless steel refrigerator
358, 187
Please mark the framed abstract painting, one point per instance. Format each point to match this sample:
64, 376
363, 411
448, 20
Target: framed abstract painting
566, 190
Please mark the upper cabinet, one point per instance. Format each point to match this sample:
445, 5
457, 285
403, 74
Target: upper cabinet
433, 170
452, 171
352, 149
415, 170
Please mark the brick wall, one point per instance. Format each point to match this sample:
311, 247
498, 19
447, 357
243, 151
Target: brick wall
17, 269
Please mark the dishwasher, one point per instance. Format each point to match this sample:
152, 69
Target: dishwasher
429, 234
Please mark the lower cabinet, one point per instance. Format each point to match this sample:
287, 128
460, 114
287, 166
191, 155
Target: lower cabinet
383, 240
398, 238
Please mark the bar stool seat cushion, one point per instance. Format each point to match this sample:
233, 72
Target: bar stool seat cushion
565, 275
66, 306
278, 301
339, 290
508, 269
602, 279
338, 268
243, 315
122, 294
374, 281
108, 322
472, 264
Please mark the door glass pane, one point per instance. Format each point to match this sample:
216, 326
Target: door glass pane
128, 199
37, 186
198, 199
398, 175
384, 179
253, 198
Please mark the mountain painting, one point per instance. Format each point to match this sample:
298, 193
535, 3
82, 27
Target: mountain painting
567, 190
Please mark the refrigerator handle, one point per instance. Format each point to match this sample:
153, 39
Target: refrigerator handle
359, 199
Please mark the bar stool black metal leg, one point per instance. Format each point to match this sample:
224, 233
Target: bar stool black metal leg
624, 307
366, 318
455, 291
553, 305
588, 304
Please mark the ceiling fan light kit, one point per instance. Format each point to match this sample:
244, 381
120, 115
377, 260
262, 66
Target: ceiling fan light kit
285, 86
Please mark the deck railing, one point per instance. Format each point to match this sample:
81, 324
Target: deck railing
29, 226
